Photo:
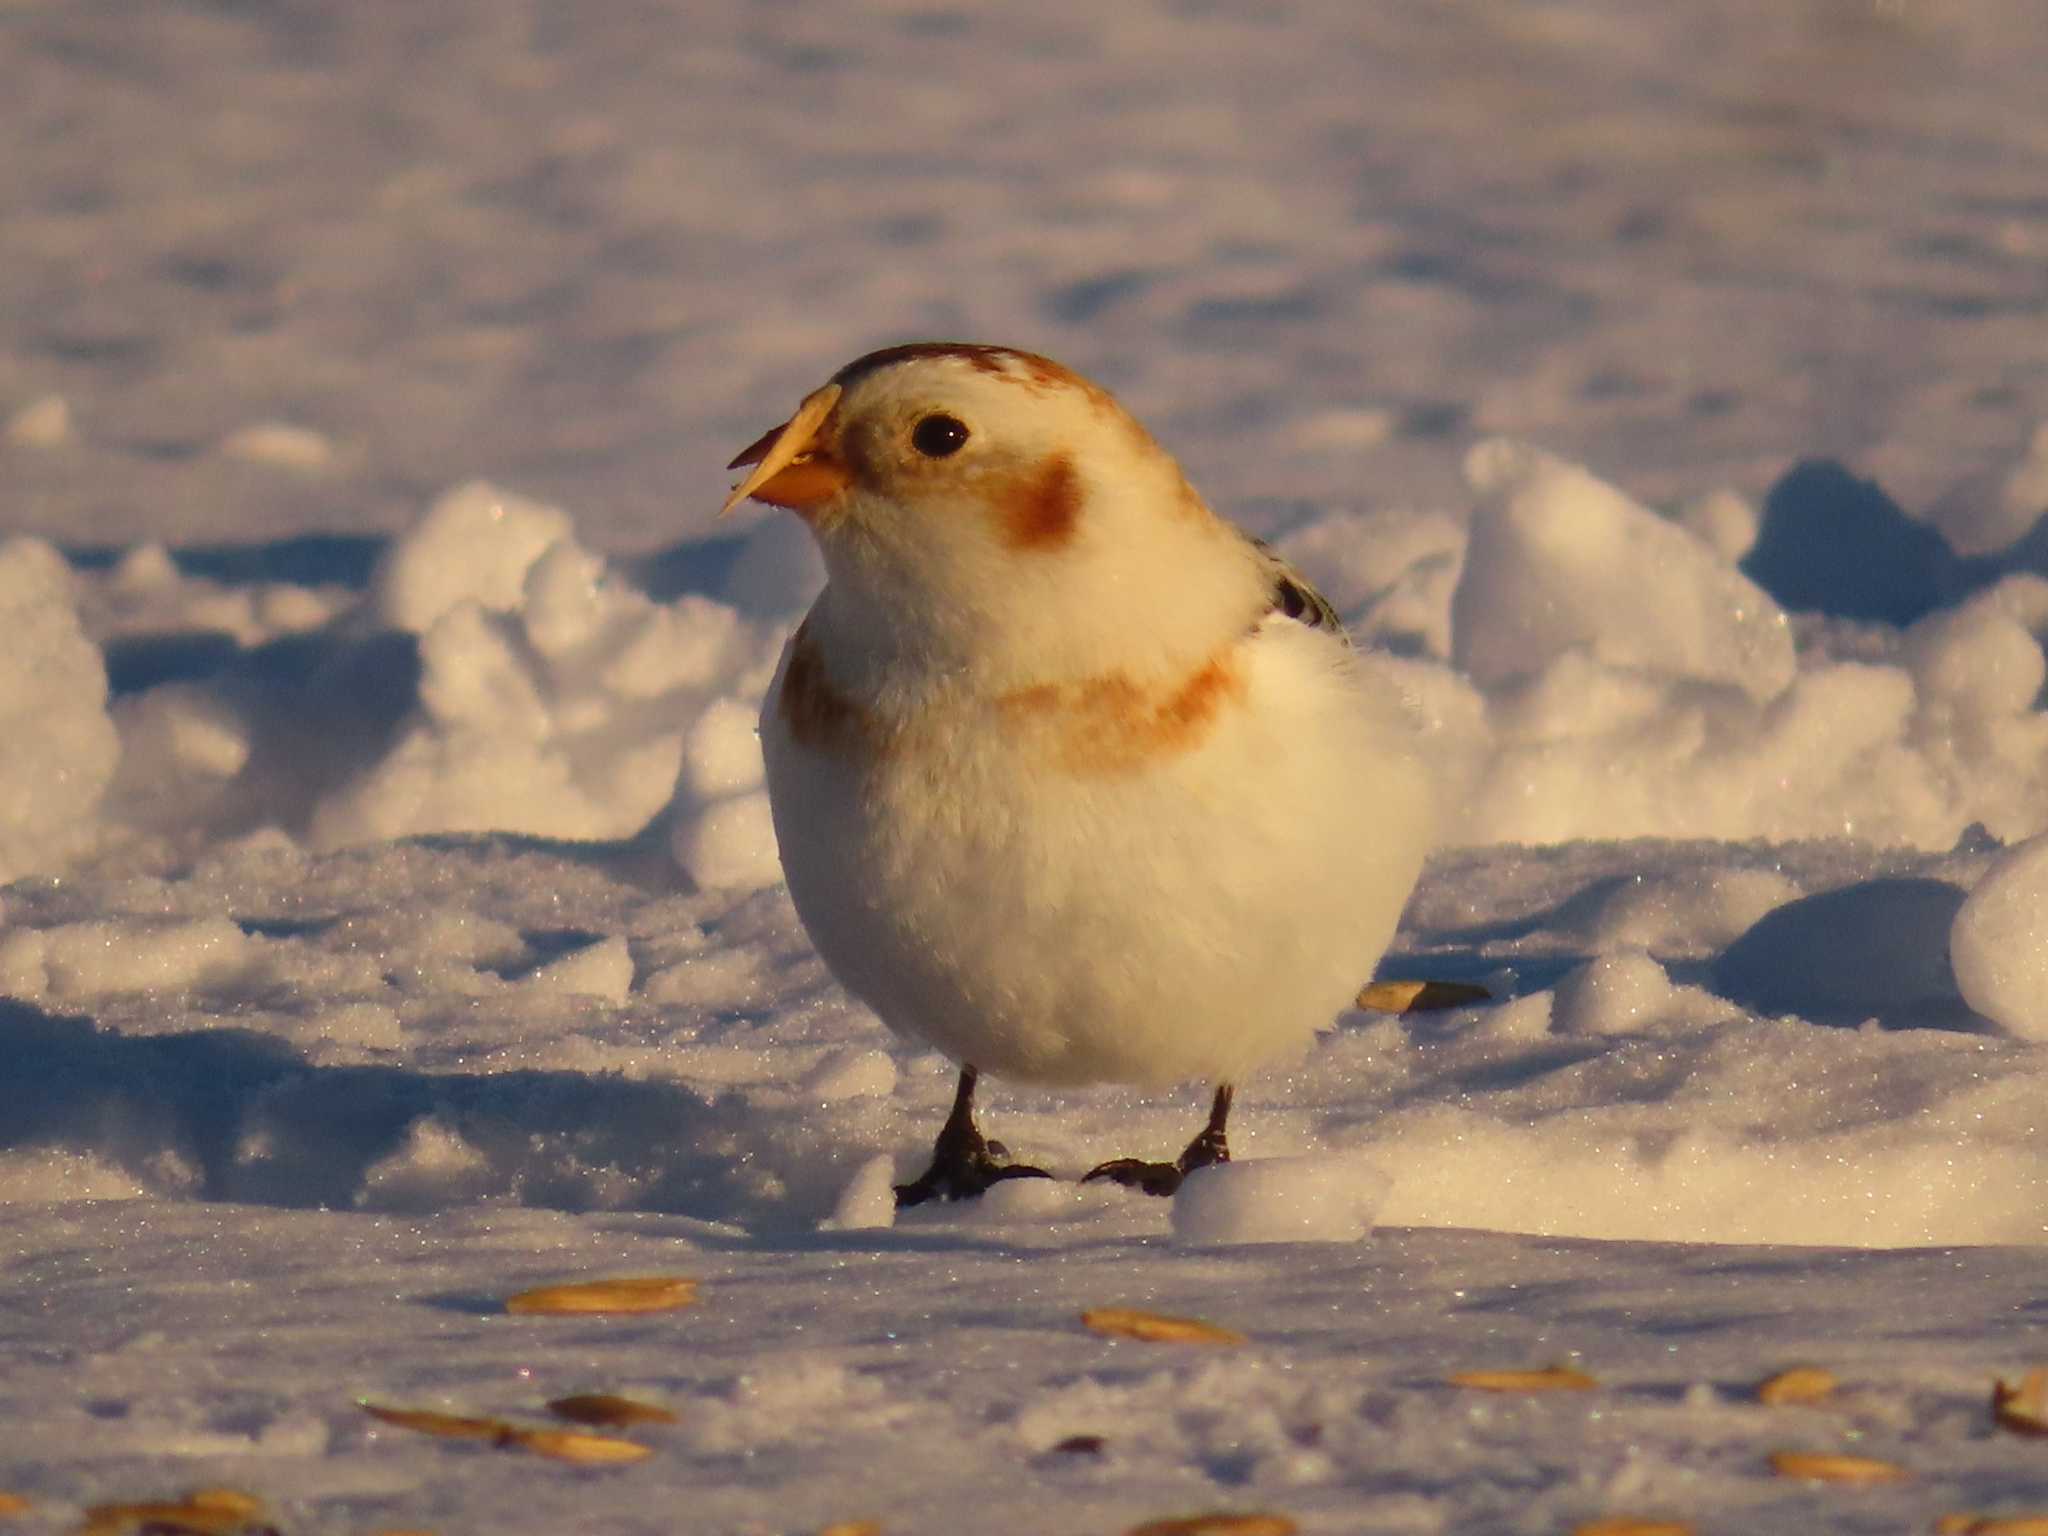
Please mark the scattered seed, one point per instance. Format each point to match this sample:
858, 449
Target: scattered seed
1800, 1384
605, 1411
1992, 1525
1156, 1328
162, 1519
574, 1445
852, 1528
13, 1504
1218, 1523
1825, 1467
1629, 1525
645, 1293
229, 1500
450, 1426
1419, 996
1552, 1378
2022, 1409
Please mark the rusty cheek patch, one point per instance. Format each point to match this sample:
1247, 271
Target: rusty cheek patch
1109, 726
818, 715
1038, 511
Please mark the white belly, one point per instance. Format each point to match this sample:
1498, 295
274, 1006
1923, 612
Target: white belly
1191, 920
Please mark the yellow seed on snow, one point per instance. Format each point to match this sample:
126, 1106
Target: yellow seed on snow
606, 1411
1156, 1328
2022, 1409
1799, 1384
1552, 1378
574, 1445
1629, 1525
450, 1426
229, 1500
643, 1293
161, 1520
1833, 1467
1419, 996
1218, 1523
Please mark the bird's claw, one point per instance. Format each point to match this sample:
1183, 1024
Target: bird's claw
1136, 1173
963, 1178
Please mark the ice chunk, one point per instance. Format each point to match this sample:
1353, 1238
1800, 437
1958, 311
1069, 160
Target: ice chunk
1999, 942
1559, 561
1327, 1198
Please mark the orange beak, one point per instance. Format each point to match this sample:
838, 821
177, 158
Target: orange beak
789, 470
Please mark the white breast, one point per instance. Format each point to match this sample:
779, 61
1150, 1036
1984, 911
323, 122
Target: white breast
1191, 919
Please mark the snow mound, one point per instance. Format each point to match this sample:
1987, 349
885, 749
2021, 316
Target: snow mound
1999, 942
1330, 1198
556, 701
58, 746
1560, 561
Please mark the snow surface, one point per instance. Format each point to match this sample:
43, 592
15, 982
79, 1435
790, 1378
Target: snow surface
392, 918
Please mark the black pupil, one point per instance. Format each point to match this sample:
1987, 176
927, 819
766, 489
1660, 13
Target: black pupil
939, 435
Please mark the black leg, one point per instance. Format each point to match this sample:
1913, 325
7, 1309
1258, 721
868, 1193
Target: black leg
963, 1162
1211, 1146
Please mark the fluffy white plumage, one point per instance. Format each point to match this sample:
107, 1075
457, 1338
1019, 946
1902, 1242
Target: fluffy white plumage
1061, 787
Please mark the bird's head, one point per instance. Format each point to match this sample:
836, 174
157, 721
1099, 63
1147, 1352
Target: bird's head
987, 508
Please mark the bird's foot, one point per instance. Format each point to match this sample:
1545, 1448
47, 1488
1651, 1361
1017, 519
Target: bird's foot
962, 1172
1210, 1147
1136, 1173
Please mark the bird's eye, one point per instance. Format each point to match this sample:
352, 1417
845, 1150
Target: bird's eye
939, 436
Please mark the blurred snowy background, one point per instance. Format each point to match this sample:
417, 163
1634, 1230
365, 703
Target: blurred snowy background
392, 913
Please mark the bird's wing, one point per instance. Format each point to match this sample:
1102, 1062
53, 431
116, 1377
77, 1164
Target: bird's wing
1293, 597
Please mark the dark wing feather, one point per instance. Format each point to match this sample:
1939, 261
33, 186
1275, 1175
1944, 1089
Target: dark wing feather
1293, 597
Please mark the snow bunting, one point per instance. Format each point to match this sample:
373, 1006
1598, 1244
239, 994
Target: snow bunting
1072, 779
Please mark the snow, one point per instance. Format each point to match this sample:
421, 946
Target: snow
1999, 942
391, 916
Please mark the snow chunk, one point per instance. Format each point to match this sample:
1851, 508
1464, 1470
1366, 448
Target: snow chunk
58, 746
475, 545
42, 423
1999, 942
868, 1201
1627, 993
434, 1167
603, 970
1559, 560
553, 699
109, 956
851, 1072
1987, 513
1326, 1198
280, 445
730, 845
